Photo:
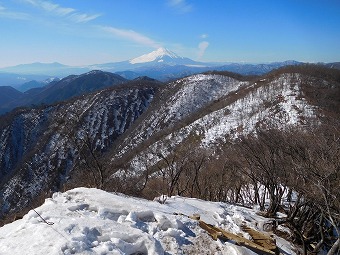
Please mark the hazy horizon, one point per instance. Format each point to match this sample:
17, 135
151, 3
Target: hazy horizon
79, 33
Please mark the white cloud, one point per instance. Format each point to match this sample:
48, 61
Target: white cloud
131, 35
181, 6
58, 10
202, 46
204, 36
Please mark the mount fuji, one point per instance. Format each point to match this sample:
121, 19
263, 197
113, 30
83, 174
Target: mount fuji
164, 56
155, 59
161, 64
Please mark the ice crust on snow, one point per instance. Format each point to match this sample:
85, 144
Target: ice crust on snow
92, 221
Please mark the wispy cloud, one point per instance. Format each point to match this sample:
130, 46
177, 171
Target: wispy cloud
58, 10
51, 7
202, 46
181, 6
130, 35
55, 8
5, 13
203, 36
78, 17
83, 18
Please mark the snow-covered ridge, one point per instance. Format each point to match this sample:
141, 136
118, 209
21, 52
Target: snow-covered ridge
189, 95
279, 103
91, 221
155, 55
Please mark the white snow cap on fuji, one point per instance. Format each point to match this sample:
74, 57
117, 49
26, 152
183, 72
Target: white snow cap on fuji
155, 55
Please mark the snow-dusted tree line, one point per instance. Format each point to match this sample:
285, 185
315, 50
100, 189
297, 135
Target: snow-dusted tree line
293, 172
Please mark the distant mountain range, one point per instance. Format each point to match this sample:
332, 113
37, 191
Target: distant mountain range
47, 69
37, 83
158, 57
161, 64
58, 90
16, 80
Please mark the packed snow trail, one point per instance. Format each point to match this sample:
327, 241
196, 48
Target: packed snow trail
91, 221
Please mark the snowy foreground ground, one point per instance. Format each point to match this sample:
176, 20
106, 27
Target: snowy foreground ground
92, 221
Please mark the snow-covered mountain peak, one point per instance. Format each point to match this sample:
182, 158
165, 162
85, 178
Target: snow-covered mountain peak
156, 55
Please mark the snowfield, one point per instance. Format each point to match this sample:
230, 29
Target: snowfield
92, 221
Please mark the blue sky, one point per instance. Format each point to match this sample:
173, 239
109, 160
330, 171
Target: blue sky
81, 32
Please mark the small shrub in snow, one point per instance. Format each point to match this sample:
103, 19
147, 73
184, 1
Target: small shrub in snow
161, 199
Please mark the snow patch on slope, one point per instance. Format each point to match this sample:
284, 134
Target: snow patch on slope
279, 104
197, 91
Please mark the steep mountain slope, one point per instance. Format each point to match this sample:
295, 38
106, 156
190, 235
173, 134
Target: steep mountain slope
71, 86
40, 147
8, 94
210, 109
76, 85
179, 101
